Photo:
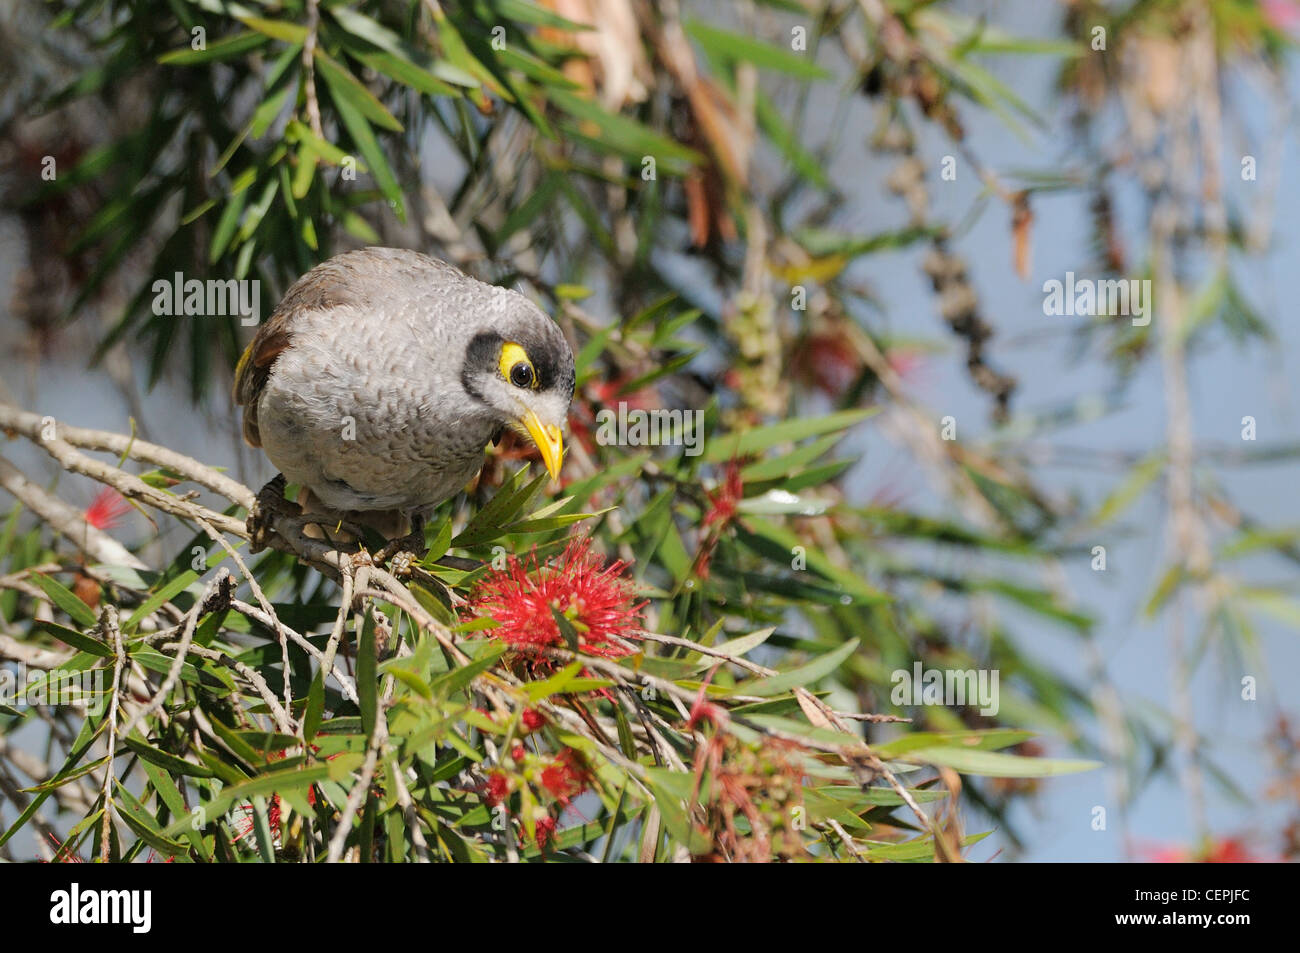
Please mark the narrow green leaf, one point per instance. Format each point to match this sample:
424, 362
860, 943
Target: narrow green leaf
803, 675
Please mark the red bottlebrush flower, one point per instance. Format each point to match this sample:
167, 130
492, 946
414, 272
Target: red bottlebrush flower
63, 853
518, 752
1224, 850
704, 710
107, 509
723, 504
565, 778
545, 827
1229, 850
597, 601
498, 787
244, 826
532, 719
726, 498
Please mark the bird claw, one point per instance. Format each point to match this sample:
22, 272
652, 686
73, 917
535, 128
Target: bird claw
400, 553
268, 504
400, 564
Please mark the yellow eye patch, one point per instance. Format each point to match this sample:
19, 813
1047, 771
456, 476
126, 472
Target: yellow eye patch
514, 359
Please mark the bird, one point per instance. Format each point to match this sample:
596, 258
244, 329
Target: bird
379, 380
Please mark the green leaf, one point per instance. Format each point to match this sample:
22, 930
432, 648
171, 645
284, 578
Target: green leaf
739, 647
142, 823
58, 782
735, 46
367, 676
670, 789
997, 764
486, 525
803, 675
775, 468
343, 85
407, 73
521, 11
225, 48
364, 138
779, 543
780, 135
984, 740
626, 136
315, 709
164, 595
276, 29
567, 680
66, 600
292, 779
754, 441
457, 679
823, 242
74, 638
168, 762
1133, 486
90, 729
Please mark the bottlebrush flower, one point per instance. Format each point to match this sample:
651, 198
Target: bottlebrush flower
107, 509
63, 853
496, 789
727, 498
723, 505
1223, 850
247, 820
545, 831
565, 778
596, 600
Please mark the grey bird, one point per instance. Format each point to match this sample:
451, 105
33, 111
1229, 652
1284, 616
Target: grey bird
379, 380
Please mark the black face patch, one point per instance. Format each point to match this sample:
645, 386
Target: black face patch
480, 358
549, 354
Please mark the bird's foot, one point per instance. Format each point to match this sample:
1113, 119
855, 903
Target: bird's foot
400, 553
268, 504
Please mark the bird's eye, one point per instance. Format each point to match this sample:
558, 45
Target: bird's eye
521, 375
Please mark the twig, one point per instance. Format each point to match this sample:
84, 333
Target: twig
283, 722
125, 483
33, 426
265, 603
309, 68
217, 592
113, 635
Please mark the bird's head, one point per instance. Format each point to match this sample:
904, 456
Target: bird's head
521, 367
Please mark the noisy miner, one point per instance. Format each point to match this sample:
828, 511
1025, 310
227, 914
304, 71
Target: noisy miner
379, 380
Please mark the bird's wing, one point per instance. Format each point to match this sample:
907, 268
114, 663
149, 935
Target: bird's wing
327, 286
254, 368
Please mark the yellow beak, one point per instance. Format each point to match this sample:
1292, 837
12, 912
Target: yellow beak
548, 440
